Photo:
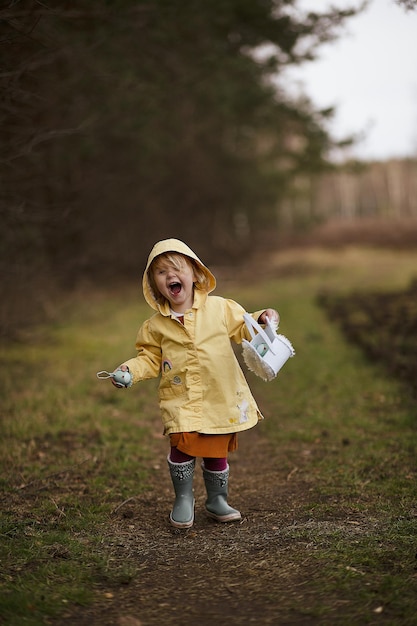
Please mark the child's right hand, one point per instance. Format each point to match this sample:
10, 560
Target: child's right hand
118, 380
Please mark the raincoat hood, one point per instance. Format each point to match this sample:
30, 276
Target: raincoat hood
172, 245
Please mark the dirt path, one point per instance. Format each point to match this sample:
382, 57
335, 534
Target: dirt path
230, 574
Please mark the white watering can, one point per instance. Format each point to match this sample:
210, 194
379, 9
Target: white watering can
267, 352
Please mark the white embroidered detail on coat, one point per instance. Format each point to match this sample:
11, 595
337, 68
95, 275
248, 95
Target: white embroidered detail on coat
243, 408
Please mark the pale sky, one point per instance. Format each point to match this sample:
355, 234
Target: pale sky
370, 74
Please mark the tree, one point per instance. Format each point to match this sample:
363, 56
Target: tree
409, 5
124, 121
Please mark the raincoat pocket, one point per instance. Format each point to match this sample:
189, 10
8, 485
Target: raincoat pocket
172, 388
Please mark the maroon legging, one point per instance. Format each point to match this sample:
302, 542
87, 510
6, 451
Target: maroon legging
212, 465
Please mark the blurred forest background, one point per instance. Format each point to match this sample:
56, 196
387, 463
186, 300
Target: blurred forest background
123, 122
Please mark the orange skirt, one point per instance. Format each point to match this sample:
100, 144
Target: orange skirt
205, 446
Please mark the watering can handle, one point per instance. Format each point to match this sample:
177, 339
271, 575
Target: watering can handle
251, 325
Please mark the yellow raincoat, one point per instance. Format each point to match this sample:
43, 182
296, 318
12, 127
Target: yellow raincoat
202, 387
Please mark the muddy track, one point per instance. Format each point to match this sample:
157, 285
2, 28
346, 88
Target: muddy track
236, 573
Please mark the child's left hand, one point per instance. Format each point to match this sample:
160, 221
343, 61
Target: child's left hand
271, 314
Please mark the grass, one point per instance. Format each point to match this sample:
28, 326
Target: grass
68, 457
72, 448
348, 430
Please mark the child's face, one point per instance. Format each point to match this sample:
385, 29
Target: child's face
175, 284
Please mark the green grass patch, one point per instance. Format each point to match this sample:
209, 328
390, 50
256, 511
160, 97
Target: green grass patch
345, 432
72, 448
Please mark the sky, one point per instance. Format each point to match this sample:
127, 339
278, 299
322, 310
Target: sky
370, 75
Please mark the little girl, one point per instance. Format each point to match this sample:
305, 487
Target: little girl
204, 397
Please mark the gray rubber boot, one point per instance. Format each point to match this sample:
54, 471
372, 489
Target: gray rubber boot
217, 489
182, 474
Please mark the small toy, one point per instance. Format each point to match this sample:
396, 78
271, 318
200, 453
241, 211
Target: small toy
262, 349
120, 377
267, 352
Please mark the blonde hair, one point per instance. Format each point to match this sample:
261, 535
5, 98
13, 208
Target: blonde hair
177, 260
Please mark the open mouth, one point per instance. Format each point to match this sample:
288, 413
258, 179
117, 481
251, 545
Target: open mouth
175, 288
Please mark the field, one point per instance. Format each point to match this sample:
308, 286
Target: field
326, 483
383, 324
